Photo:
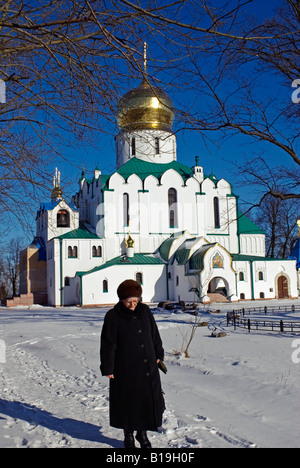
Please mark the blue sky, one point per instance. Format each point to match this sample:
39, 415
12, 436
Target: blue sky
214, 158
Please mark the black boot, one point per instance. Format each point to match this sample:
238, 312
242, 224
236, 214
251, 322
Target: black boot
128, 440
142, 438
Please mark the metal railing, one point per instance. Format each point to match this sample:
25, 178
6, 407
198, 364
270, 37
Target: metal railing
238, 320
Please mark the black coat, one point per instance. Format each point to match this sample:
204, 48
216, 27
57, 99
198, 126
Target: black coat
130, 347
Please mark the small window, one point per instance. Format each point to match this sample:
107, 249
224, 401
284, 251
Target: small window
241, 276
172, 201
242, 296
260, 276
96, 251
72, 252
105, 286
217, 213
157, 146
139, 278
133, 148
261, 295
67, 281
126, 209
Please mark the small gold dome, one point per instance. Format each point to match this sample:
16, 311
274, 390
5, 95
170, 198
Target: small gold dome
146, 107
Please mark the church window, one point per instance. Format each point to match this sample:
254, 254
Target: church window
63, 219
172, 200
241, 276
126, 209
242, 296
105, 286
157, 146
139, 278
97, 251
67, 281
261, 295
260, 276
72, 252
133, 148
216, 212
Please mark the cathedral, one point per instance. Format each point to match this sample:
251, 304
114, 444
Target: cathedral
175, 229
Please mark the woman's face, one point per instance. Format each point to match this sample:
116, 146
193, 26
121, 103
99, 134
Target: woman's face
131, 302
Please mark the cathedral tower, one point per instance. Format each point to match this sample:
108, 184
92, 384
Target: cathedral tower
145, 118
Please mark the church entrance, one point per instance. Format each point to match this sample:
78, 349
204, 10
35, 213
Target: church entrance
218, 289
283, 287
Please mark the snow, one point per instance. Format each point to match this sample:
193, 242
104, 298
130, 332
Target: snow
237, 391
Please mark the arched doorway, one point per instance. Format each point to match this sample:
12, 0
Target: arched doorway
282, 287
218, 285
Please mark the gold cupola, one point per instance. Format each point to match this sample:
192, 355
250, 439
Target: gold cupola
145, 107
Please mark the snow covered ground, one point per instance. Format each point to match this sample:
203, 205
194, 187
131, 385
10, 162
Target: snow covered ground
237, 391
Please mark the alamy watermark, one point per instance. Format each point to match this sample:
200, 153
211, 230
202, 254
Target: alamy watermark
2, 92
2, 352
296, 93
296, 353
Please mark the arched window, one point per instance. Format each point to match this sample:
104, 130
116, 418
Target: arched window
139, 278
67, 281
216, 213
72, 252
172, 200
63, 218
157, 146
105, 286
242, 296
260, 276
96, 251
241, 276
133, 148
126, 209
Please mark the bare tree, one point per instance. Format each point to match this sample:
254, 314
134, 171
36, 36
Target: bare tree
66, 63
278, 218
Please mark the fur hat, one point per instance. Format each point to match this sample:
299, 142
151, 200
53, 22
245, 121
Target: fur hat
129, 288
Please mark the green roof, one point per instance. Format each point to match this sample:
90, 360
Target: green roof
183, 253
246, 226
197, 259
165, 248
137, 259
143, 169
81, 233
253, 258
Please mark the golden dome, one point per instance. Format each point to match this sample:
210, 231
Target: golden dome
146, 107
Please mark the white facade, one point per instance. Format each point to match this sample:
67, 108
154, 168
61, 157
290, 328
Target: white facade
189, 240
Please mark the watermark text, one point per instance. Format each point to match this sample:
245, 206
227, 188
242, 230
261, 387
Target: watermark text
2, 352
296, 353
2, 92
296, 93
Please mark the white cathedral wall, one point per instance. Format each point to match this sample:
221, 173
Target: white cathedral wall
253, 244
267, 287
154, 283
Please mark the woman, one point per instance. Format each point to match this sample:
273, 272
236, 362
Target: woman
131, 348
